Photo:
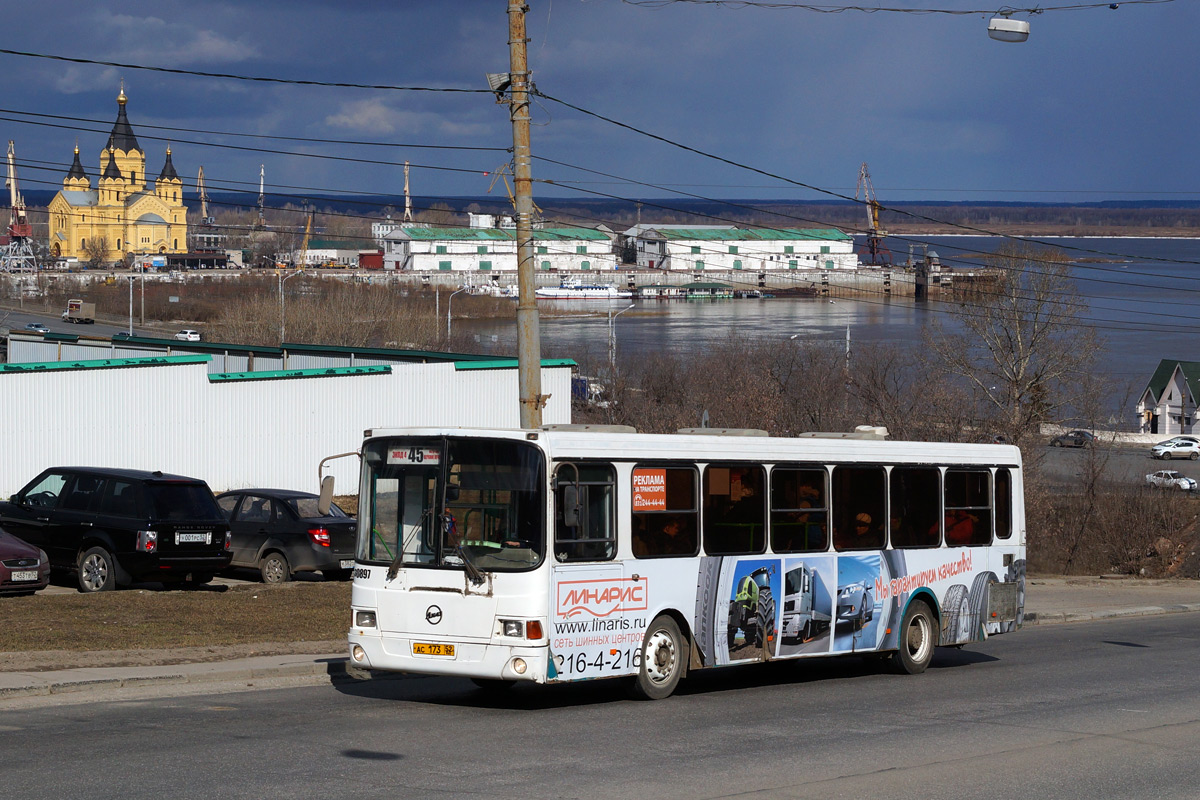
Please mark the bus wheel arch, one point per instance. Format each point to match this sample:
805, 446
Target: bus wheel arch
669, 648
918, 636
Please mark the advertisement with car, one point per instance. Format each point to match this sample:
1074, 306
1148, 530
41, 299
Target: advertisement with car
756, 608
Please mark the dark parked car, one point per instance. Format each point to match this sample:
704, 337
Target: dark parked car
114, 527
24, 569
280, 532
1073, 439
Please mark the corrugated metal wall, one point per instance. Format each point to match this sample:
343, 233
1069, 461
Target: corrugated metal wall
266, 433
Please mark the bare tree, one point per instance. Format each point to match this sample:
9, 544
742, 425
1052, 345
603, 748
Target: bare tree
95, 249
1021, 349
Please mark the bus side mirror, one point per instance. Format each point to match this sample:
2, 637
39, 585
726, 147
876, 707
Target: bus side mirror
325, 500
570, 506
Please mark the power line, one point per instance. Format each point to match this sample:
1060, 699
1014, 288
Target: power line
303, 139
256, 78
245, 148
828, 192
839, 9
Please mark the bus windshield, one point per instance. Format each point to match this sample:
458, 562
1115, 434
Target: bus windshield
452, 502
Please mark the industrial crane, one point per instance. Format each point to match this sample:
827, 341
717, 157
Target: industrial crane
877, 252
17, 255
308, 220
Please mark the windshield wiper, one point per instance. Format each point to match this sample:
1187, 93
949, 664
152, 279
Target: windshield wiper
394, 567
448, 528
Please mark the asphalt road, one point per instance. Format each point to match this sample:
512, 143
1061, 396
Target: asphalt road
1126, 464
16, 319
1095, 710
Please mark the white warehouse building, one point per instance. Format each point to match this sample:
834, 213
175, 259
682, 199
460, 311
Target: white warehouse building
241, 429
670, 247
495, 249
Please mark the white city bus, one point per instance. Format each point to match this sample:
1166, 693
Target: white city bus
571, 553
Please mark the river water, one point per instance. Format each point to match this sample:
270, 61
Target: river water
1142, 297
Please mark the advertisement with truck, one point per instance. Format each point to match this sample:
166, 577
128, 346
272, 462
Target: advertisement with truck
79, 311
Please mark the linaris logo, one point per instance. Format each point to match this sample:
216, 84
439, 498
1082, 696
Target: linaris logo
601, 598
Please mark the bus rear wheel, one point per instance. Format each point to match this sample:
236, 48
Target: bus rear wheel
664, 651
917, 639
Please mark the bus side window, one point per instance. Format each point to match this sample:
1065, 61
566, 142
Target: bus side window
1003, 503
734, 510
666, 521
915, 510
799, 510
585, 513
968, 507
858, 507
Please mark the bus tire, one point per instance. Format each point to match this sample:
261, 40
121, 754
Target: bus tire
664, 656
918, 635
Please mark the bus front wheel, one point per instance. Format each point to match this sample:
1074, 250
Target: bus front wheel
664, 654
917, 639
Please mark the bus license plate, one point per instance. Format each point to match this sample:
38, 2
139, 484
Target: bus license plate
347, 563
193, 538
25, 575
426, 649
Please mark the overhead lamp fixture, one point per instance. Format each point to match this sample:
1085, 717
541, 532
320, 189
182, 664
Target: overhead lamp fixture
1004, 28
499, 82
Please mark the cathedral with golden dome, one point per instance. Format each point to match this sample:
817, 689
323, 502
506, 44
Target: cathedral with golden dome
121, 215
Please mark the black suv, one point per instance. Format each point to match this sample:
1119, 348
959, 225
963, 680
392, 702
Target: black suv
119, 526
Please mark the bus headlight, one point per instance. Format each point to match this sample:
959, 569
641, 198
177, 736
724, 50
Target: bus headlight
513, 627
364, 619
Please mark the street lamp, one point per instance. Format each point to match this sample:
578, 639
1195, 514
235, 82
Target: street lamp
449, 305
282, 326
612, 341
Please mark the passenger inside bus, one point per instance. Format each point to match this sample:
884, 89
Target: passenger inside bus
664, 535
960, 527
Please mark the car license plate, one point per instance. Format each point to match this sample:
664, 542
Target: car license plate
427, 649
194, 538
347, 563
25, 575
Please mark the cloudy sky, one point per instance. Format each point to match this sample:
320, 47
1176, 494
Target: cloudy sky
1098, 104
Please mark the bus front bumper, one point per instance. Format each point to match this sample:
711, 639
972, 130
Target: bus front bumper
372, 650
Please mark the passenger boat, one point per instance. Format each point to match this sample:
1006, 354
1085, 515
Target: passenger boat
573, 289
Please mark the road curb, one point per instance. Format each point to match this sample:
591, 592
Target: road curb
1052, 618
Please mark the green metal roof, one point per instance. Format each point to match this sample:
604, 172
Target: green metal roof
754, 234
284, 374
107, 363
501, 234
1166, 367
511, 363
382, 352
54, 336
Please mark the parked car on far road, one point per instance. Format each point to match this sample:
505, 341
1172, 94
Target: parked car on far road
36, 327
24, 569
1073, 439
114, 527
1176, 448
1179, 439
1170, 479
188, 335
280, 532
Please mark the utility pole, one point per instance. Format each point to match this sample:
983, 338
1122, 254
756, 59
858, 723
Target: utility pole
529, 345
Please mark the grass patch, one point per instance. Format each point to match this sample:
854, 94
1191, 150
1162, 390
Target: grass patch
141, 619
